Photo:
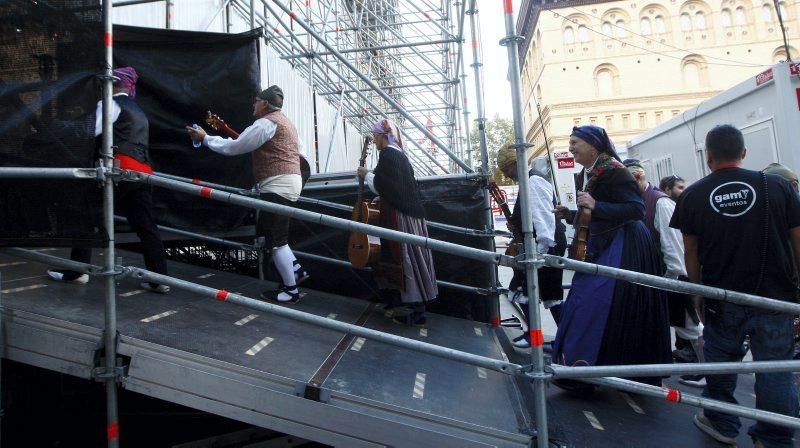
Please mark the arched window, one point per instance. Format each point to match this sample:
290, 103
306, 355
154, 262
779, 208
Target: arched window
569, 35
539, 93
620, 29
686, 22
700, 20
660, 26
645, 24
605, 83
766, 13
691, 75
606, 80
607, 29
695, 72
741, 19
583, 34
726, 17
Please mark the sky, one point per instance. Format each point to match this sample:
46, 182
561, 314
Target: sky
497, 89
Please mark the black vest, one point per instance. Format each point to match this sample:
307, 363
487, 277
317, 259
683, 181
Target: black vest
131, 130
560, 235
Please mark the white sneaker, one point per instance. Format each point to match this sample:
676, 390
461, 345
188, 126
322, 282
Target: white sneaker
522, 343
161, 289
59, 277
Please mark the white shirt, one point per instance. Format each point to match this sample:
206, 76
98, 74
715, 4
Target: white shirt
671, 239
544, 221
98, 116
252, 138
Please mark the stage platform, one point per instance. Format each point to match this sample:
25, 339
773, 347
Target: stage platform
311, 382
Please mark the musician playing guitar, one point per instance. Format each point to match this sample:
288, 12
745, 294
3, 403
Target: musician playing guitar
273, 141
550, 234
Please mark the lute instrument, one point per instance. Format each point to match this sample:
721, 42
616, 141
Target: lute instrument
219, 125
364, 250
502, 201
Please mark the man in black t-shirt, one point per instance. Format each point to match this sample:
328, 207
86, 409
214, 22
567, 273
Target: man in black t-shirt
740, 228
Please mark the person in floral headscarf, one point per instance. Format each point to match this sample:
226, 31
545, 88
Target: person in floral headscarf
401, 209
606, 321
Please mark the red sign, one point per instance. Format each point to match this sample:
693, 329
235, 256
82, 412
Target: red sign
763, 77
566, 163
794, 69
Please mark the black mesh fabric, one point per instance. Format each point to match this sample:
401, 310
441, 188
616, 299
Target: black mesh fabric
453, 201
182, 75
49, 52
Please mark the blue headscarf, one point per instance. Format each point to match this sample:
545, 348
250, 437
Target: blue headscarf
597, 137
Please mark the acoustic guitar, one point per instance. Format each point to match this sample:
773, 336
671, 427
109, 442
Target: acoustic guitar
364, 250
219, 125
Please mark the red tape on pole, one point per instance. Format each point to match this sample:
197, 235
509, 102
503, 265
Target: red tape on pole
674, 395
108, 40
205, 192
293, 15
222, 295
537, 338
196, 181
495, 321
508, 6
112, 431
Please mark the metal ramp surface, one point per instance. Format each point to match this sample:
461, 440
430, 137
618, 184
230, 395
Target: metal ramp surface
270, 371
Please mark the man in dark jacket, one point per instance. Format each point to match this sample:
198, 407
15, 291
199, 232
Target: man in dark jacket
133, 200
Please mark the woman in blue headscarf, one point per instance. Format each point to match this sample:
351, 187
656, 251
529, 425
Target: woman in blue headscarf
406, 274
607, 321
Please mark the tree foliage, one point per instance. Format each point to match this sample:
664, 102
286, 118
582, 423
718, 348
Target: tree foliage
498, 132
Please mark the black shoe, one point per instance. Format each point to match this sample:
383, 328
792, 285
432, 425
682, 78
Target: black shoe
413, 319
291, 292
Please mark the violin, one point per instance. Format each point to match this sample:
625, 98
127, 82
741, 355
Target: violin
501, 200
364, 250
577, 250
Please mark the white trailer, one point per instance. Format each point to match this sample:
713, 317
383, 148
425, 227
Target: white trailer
766, 108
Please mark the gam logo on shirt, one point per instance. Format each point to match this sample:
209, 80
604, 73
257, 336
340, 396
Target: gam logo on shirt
733, 198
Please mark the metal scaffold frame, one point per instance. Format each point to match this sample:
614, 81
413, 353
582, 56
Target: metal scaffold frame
400, 60
538, 372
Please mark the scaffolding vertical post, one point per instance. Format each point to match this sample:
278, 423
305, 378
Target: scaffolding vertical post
532, 260
252, 14
107, 160
168, 14
476, 71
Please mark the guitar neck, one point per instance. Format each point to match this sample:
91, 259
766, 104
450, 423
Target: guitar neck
225, 129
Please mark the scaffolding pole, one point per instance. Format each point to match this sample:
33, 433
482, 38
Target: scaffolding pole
109, 373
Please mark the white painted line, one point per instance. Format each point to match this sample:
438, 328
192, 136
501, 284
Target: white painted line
423, 332
12, 263
24, 278
593, 420
481, 373
332, 316
358, 344
419, 386
478, 331
205, 276
22, 288
158, 316
245, 320
132, 293
257, 348
389, 313
49, 249
632, 403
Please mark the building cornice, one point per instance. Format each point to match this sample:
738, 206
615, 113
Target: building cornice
632, 100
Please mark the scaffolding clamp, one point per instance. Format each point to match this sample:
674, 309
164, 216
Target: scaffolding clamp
100, 374
515, 38
546, 374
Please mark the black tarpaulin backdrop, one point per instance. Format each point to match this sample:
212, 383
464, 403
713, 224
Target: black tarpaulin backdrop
182, 75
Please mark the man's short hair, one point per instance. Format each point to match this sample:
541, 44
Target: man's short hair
669, 182
725, 143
